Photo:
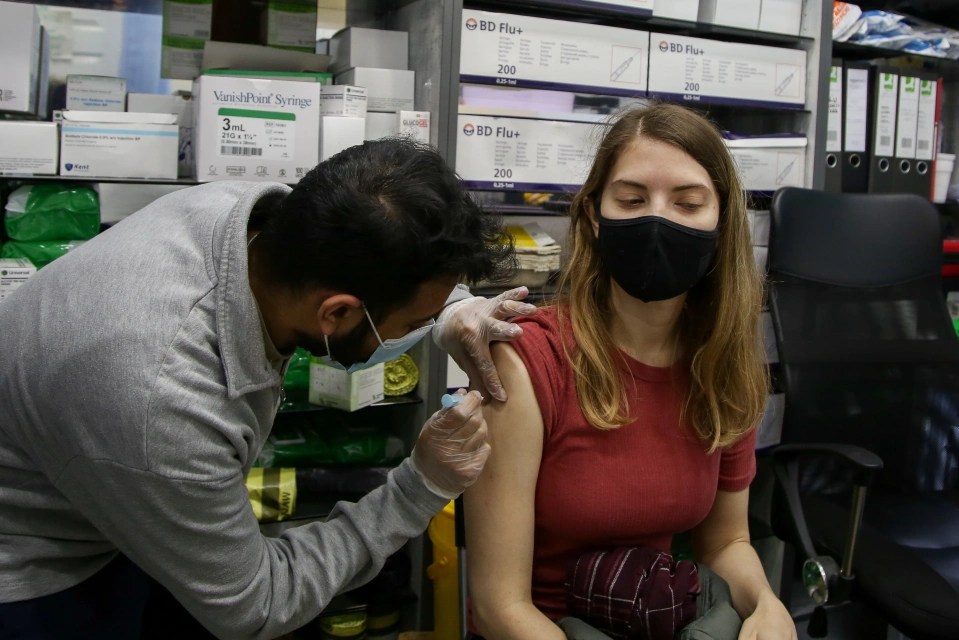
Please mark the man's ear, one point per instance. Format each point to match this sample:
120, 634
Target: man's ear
335, 310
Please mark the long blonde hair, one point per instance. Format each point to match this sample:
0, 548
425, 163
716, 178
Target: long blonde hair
719, 324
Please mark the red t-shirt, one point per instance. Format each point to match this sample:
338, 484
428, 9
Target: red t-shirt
633, 486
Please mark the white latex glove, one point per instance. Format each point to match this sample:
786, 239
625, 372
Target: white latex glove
465, 329
453, 447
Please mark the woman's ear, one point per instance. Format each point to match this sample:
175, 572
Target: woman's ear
335, 310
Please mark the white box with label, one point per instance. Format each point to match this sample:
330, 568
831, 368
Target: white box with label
255, 128
291, 25
524, 155
781, 16
687, 10
768, 163
742, 14
343, 100
363, 47
537, 53
96, 93
338, 133
700, 70
13, 273
20, 50
183, 108
387, 90
28, 148
334, 387
414, 125
631, 7
110, 144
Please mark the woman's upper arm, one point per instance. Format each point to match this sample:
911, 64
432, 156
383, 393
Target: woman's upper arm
726, 523
500, 506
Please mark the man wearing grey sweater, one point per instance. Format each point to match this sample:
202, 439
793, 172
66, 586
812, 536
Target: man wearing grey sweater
141, 373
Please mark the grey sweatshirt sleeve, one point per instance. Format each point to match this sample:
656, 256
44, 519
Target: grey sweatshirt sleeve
201, 540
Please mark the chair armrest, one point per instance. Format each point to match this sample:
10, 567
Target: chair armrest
866, 463
785, 464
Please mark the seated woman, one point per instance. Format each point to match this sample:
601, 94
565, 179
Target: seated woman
633, 398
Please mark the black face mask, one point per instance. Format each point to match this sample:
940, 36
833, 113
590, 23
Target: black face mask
652, 258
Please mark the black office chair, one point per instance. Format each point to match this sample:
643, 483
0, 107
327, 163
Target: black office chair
870, 367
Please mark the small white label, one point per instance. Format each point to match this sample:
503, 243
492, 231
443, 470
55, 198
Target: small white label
886, 114
255, 137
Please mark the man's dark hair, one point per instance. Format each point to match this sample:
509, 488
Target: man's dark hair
377, 221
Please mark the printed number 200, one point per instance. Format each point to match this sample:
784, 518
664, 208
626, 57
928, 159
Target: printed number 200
692, 86
507, 69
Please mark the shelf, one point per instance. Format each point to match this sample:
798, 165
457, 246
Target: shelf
186, 182
297, 403
854, 51
629, 18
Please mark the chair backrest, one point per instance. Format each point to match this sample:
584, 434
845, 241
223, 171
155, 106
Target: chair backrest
866, 346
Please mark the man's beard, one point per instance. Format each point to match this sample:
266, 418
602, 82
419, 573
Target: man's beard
347, 350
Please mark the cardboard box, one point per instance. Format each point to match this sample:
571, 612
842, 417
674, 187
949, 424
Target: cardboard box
291, 24
632, 7
251, 57
20, 51
182, 106
119, 200
343, 100
536, 53
387, 90
742, 14
781, 16
320, 78
700, 70
332, 387
409, 124
768, 163
43, 76
414, 125
338, 133
362, 47
13, 273
108, 144
523, 155
29, 148
255, 129
687, 10
380, 125
186, 27
96, 93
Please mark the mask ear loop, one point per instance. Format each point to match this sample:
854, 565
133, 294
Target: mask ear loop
373, 324
326, 342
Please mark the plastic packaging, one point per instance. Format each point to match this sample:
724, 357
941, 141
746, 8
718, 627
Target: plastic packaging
47, 212
309, 444
444, 574
272, 493
39, 253
297, 377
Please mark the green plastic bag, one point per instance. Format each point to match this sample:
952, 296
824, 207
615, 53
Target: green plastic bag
39, 253
298, 373
44, 212
310, 443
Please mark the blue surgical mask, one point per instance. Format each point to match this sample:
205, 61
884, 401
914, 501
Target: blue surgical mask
388, 349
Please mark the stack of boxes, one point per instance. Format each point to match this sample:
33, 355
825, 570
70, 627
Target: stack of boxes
378, 61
